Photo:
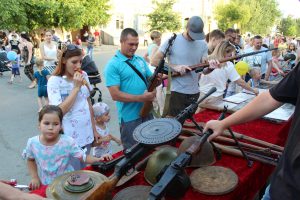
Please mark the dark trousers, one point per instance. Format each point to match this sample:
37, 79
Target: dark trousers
127, 128
28, 70
179, 101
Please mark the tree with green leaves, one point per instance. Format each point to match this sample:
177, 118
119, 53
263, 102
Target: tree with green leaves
34, 14
288, 26
163, 18
232, 13
264, 15
12, 15
256, 16
298, 27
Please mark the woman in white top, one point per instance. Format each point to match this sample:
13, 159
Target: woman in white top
218, 77
68, 88
49, 52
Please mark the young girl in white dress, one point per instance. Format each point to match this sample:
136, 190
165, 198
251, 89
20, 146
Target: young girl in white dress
102, 117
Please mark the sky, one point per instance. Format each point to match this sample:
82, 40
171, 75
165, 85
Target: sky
290, 7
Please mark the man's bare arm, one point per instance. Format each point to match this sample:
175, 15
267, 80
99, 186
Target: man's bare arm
118, 95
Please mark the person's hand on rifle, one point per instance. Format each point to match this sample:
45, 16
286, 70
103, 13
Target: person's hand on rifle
182, 69
216, 126
147, 96
158, 79
213, 64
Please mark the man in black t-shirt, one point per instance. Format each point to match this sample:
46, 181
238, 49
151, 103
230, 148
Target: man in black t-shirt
285, 183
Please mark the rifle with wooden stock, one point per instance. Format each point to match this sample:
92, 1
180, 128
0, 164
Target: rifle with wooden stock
147, 107
104, 190
199, 67
176, 168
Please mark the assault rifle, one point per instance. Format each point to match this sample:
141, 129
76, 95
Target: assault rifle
153, 80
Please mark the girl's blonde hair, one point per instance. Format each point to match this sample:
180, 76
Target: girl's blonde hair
221, 49
39, 62
254, 70
155, 34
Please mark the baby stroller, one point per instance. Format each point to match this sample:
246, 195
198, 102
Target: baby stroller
4, 62
89, 66
290, 58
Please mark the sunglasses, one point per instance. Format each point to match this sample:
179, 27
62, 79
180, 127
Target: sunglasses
70, 47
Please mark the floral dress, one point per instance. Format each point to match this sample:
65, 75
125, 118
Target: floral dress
77, 121
52, 161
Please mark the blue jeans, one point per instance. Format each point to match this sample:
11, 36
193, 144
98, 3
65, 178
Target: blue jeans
127, 128
267, 194
89, 51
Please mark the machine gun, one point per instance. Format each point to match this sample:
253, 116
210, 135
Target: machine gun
152, 82
138, 151
175, 175
188, 112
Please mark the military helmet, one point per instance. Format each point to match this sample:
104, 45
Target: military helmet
204, 157
158, 161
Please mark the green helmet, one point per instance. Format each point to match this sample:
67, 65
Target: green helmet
158, 160
204, 157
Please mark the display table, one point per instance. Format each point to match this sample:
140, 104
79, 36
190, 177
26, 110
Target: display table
251, 179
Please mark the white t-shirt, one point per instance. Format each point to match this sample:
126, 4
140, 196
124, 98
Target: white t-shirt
258, 60
50, 53
218, 78
77, 121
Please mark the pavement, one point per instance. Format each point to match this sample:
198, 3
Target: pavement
19, 117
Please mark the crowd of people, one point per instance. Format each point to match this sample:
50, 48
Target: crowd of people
74, 132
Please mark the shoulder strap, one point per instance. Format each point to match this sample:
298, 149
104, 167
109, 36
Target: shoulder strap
137, 72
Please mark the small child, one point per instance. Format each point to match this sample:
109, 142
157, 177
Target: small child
49, 153
15, 68
41, 77
277, 67
102, 117
255, 81
255, 75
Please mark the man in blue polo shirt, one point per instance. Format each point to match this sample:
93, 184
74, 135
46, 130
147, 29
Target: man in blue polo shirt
127, 87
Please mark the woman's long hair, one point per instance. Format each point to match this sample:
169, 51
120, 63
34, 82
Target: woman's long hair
65, 54
25, 36
221, 49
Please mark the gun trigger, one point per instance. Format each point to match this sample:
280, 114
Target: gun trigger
130, 171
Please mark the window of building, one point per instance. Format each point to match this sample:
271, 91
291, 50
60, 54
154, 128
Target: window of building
119, 22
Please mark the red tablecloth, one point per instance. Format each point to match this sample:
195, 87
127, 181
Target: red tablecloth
251, 180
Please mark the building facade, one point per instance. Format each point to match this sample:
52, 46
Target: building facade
132, 13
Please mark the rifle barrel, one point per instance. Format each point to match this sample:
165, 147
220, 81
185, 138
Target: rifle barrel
204, 65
